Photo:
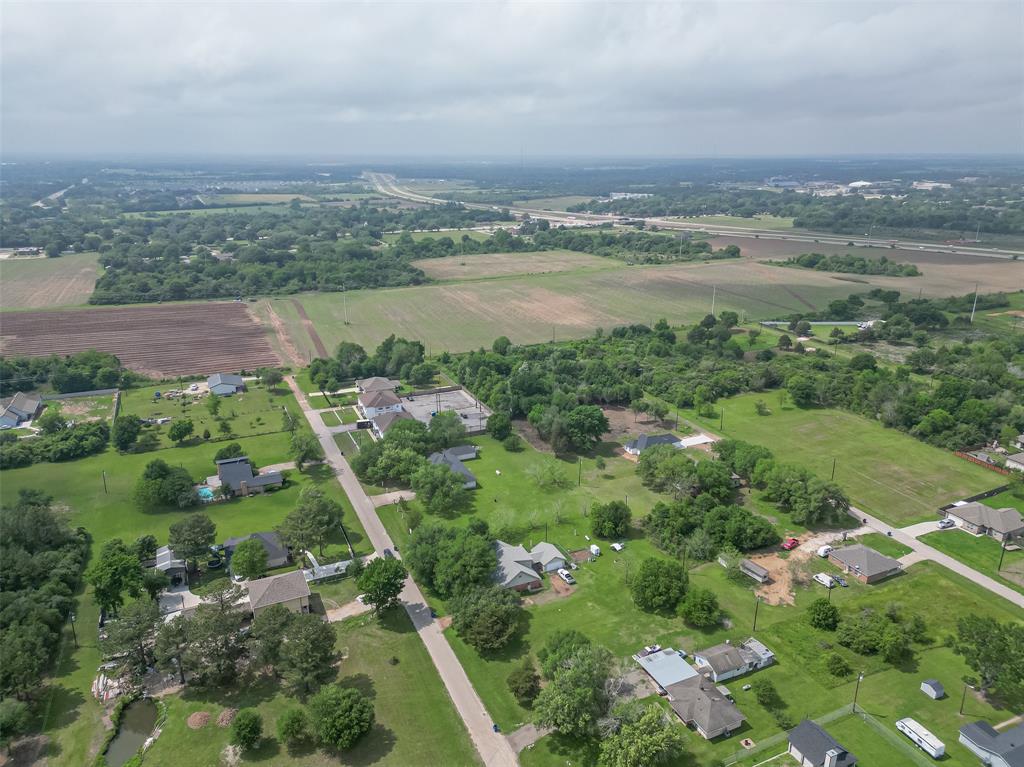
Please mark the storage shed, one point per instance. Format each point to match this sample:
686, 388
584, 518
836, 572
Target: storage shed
933, 689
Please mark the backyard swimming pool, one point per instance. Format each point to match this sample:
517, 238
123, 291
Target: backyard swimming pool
205, 494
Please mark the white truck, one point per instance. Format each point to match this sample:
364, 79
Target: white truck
825, 580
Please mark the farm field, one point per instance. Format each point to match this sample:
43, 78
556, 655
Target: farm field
207, 211
981, 553
885, 472
757, 222
255, 197
454, 234
490, 265
415, 722
156, 340
553, 203
37, 283
530, 308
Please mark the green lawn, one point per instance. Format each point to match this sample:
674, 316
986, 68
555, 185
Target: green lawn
1004, 499
255, 411
883, 544
416, 723
79, 409
885, 472
455, 234
981, 553
756, 222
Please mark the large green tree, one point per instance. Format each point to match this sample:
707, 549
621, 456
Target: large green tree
647, 737
439, 489
575, 700
132, 635
486, 618
115, 571
610, 520
658, 584
382, 581
192, 537
994, 650
307, 652
340, 716
249, 559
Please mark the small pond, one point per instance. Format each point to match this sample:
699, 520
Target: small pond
137, 722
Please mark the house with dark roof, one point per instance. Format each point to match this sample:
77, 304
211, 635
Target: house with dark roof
644, 441
20, 408
1015, 461
237, 474
385, 421
994, 748
979, 519
812, 746
225, 384
864, 563
725, 661
376, 383
277, 553
289, 589
375, 403
702, 705
453, 458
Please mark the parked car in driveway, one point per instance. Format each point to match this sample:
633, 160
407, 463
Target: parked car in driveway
790, 543
566, 576
946, 523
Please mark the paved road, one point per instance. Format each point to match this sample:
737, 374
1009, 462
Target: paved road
922, 551
492, 747
387, 184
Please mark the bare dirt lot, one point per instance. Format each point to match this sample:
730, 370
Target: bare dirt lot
166, 340
624, 424
482, 265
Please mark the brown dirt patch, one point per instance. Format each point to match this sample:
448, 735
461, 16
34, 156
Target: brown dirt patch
226, 717
624, 424
1011, 313
779, 590
307, 323
477, 266
580, 555
444, 622
198, 720
281, 333
164, 340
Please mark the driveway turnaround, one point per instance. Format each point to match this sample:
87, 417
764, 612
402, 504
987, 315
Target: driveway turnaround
493, 748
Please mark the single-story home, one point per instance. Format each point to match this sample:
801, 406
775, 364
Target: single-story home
644, 441
864, 563
705, 707
385, 421
520, 569
725, 661
1015, 461
754, 570
277, 553
225, 384
665, 667
979, 519
237, 474
453, 458
289, 589
933, 689
995, 748
812, 746
20, 408
376, 383
696, 440
377, 403
169, 562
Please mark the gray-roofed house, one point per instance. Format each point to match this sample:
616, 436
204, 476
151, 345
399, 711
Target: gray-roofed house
225, 384
725, 661
812, 746
644, 441
277, 553
547, 557
666, 667
21, 407
385, 421
701, 705
237, 474
169, 562
453, 458
979, 519
933, 689
377, 403
289, 589
1015, 461
864, 563
515, 568
755, 571
376, 383
994, 748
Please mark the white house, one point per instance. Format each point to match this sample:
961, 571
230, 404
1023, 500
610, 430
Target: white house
725, 661
377, 403
1015, 461
21, 408
994, 748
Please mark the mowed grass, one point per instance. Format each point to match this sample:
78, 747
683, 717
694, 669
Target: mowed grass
535, 308
553, 203
490, 265
764, 221
415, 723
981, 553
452, 234
885, 472
39, 283
255, 197
883, 544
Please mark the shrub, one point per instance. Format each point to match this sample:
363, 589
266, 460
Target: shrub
292, 727
513, 443
823, 615
837, 665
340, 716
247, 729
524, 683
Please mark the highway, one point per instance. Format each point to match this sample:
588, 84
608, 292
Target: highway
387, 184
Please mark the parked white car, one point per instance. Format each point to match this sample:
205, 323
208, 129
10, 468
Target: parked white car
566, 576
825, 580
618, 546
946, 523
824, 551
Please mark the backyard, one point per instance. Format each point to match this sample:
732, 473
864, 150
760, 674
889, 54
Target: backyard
887, 473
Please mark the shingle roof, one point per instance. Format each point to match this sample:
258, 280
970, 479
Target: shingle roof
276, 589
722, 658
1003, 521
699, 701
545, 552
1009, 744
225, 378
376, 383
277, 553
384, 420
813, 742
382, 398
451, 458
513, 561
1016, 457
234, 471
865, 560
645, 441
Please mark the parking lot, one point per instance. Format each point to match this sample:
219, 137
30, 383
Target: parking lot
474, 414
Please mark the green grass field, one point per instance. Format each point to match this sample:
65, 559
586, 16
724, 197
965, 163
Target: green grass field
883, 544
415, 725
757, 222
99, 408
1006, 499
981, 553
553, 203
885, 472
454, 234
40, 283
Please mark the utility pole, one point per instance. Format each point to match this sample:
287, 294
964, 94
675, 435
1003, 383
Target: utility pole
721, 423
963, 698
975, 302
1002, 553
104, 472
579, 478
856, 692
757, 603
714, 293
74, 634
833, 468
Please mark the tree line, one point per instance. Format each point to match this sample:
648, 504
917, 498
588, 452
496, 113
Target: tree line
850, 264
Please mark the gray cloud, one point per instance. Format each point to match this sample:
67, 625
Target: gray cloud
348, 79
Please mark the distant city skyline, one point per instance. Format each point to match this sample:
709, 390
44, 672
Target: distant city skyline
447, 80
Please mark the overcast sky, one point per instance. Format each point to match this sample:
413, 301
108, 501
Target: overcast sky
486, 79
